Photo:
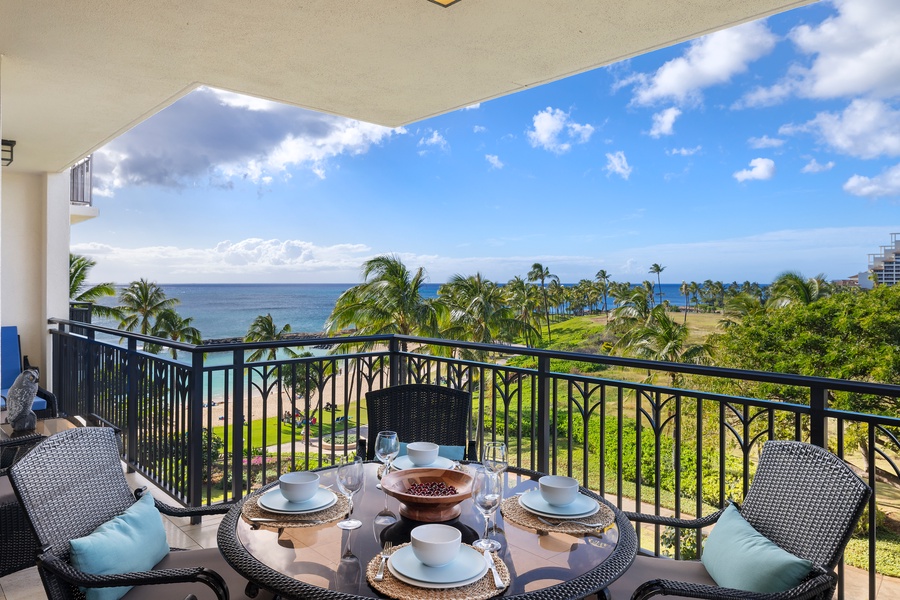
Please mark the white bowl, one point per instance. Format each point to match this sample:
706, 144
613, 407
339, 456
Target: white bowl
435, 545
422, 454
298, 486
557, 490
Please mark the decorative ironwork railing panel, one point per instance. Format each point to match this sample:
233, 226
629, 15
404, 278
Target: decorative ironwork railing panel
212, 424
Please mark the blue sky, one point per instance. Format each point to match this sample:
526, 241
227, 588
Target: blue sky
768, 147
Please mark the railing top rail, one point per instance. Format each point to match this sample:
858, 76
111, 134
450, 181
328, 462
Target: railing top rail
861, 387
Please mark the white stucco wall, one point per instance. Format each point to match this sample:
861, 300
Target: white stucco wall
34, 242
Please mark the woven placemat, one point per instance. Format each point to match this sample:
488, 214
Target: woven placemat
392, 587
252, 510
513, 511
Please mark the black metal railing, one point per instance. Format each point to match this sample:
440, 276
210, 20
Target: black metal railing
210, 425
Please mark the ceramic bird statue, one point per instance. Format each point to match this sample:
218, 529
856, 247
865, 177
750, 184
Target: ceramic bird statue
20, 399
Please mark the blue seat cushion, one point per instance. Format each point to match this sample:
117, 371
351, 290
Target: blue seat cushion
737, 556
38, 404
450, 452
133, 541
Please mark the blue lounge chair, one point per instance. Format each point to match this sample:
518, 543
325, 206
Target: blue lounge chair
11, 359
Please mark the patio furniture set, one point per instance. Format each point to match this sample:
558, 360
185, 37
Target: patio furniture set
784, 541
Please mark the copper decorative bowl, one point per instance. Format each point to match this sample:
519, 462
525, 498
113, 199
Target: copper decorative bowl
430, 509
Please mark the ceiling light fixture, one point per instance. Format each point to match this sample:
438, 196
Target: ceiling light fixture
6, 156
444, 3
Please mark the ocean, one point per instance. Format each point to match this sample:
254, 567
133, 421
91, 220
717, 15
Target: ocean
226, 310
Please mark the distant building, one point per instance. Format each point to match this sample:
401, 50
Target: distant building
884, 267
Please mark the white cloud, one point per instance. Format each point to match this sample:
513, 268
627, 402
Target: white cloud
618, 164
552, 126
885, 184
252, 259
854, 53
435, 139
814, 166
475, 106
710, 60
663, 122
760, 168
223, 137
479, 129
494, 161
765, 142
684, 151
866, 129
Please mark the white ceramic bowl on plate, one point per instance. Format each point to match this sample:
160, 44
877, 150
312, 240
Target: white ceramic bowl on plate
558, 490
435, 545
422, 454
298, 486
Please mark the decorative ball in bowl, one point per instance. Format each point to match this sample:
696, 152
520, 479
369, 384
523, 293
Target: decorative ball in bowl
423, 493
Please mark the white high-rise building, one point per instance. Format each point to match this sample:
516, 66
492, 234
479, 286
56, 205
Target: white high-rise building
885, 265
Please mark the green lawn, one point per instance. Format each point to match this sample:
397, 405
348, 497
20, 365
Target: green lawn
276, 432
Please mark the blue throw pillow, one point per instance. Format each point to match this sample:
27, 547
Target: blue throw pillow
737, 556
451, 452
132, 541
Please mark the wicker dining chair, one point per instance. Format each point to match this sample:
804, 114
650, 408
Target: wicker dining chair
73, 482
803, 498
18, 546
422, 413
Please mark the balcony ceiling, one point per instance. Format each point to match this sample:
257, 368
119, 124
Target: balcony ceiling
75, 75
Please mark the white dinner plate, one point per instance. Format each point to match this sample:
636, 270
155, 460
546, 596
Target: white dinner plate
275, 501
403, 462
581, 507
468, 567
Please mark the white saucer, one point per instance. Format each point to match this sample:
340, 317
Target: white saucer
468, 567
581, 507
274, 501
403, 462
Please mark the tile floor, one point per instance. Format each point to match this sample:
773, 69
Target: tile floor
26, 584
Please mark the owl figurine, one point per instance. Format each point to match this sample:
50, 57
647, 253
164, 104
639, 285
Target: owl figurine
19, 400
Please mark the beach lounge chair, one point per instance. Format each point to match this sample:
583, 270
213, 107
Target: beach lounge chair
423, 413
804, 501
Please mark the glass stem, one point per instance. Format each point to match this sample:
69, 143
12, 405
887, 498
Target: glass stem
487, 525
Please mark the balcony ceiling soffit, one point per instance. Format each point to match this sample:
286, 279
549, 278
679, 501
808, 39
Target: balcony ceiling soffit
75, 76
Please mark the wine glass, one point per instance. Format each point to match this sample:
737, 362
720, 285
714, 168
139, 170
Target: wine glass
387, 447
350, 479
494, 457
487, 493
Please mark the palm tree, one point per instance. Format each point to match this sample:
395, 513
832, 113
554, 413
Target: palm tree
695, 295
603, 280
525, 301
740, 306
658, 268
79, 269
142, 302
479, 311
685, 290
632, 309
791, 287
540, 273
264, 329
388, 301
660, 338
171, 326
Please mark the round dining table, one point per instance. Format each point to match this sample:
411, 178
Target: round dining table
325, 562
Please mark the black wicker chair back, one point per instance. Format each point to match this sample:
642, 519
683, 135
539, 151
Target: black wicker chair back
73, 482
421, 413
802, 497
70, 484
806, 500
